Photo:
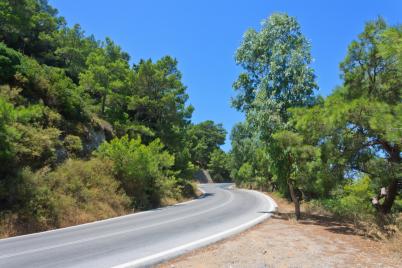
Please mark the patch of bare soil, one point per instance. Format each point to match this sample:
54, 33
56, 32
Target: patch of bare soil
315, 241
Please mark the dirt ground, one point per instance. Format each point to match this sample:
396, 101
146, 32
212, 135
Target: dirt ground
315, 241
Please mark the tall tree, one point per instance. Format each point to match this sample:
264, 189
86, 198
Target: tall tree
73, 49
372, 96
158, 100
276, 62
107, 72
28, 26
295, 161
358, 128
277, 76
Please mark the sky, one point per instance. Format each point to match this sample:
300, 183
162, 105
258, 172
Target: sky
203, 36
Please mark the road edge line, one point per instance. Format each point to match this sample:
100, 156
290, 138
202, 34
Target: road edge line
104, 220
180, 250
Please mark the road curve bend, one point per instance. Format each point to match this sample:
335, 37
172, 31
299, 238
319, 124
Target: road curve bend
145, 238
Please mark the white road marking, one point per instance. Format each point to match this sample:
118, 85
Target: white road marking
117, 233
164, 255
132, 215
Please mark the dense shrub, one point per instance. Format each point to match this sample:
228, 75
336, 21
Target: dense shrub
76, 192
9, 62
218, 166
245, 175
353, 201
145, 171
73, 145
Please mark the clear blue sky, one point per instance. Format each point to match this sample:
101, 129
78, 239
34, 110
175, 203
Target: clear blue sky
203, 35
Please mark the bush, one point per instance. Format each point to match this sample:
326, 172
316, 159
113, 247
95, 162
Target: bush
218, 166
9, 62
76, 192
354, 202
73, 145
245, 175
144, 170
51, 86
7, 132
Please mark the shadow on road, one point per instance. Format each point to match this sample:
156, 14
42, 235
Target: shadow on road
206, 195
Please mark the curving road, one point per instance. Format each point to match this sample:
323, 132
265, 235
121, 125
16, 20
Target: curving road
142, 239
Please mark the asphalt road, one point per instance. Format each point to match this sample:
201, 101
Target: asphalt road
141, 239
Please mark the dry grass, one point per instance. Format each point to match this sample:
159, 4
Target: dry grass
7, 225
390, 235
168, 201
12, 224
370, 228
395, 243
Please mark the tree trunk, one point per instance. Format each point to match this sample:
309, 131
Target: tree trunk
295, 200
389, 199
392, 189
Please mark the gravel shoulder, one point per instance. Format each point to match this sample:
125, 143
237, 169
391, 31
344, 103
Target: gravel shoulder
280, 241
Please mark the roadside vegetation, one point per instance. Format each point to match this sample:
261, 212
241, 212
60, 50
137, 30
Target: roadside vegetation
85, 133
341, 153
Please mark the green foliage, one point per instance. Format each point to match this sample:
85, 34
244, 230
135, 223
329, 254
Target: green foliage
296, 162
140, 168
277, 77
157, 101
73, 48
219, 166
204, 138
366, 73
36, 146
390, 47
7, 132
107, 70
248, 148
309, 147
30, 26
50, 85
9, 62
243, 144
73, 145
23, 139
77, 191
245, 175
358, 127
276, 62
353, 201
63, 93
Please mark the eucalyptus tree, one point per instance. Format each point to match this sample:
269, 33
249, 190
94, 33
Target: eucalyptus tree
277, 76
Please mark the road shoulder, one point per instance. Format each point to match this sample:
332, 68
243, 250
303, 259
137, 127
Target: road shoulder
282, 242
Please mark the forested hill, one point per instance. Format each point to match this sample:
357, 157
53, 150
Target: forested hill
85, 135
